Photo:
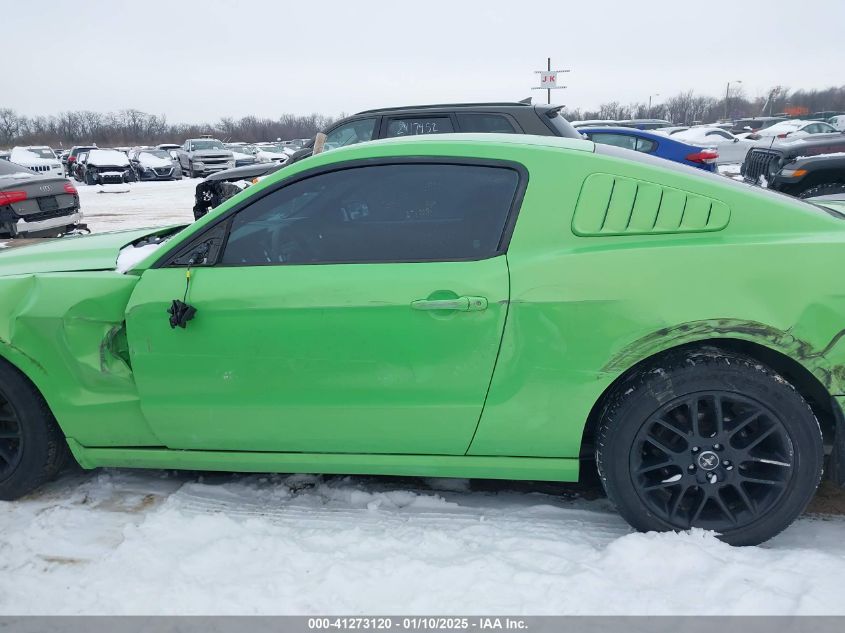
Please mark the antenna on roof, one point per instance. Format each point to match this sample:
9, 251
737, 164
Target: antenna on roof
526, 101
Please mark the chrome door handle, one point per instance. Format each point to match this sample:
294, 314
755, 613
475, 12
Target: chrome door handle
460, 304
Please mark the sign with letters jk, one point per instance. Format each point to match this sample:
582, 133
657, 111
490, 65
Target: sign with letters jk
548, 79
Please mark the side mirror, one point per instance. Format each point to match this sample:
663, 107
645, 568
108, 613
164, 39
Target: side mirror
736, 140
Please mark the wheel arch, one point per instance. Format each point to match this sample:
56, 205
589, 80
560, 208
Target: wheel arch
31, 371
24, 364
805, 382
826, 175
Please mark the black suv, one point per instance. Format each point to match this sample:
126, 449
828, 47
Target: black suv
805, 167
498, 118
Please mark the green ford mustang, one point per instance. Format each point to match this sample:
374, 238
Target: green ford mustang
458, 306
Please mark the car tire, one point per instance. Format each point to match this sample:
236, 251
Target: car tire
32, 447
665, 472
89, 179
827, 189
191, 172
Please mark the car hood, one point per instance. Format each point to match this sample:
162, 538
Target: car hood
73, 253
245, 172
150, 160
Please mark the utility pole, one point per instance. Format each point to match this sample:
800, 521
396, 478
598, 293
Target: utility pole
728, 96
656, 94
548, 79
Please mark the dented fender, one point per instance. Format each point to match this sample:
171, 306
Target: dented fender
66, 333
824, 359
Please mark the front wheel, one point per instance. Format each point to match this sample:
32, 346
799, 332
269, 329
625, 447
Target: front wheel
32, 449
709, 439
191, 172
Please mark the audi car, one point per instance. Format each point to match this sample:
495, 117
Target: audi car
34, 205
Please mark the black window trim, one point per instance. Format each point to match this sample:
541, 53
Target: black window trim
165, 261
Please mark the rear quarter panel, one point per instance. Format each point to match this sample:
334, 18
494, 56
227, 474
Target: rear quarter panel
583, 310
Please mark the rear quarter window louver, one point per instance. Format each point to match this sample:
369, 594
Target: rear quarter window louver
614, 205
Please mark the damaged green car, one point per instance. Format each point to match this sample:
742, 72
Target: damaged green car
491, 306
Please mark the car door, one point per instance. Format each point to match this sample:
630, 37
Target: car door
358, 310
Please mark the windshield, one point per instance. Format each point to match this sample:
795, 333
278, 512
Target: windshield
270, 148
160, 153
42, 152
207, 144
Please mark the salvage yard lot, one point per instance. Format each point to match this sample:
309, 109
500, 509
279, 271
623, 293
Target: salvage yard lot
123, 541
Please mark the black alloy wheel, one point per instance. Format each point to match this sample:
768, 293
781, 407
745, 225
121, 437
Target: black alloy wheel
709, 438
11, 439
712, 459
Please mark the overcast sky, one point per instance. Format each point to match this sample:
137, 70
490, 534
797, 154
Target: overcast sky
198, 61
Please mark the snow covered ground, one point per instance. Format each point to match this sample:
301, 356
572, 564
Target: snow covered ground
138, 204
122, 541
731, 170
133, 542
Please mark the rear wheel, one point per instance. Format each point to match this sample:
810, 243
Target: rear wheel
713, 440
32, 448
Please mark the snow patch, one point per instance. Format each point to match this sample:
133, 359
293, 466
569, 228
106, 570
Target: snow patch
108, 157
121, 188
151, 160
131, 255
127, 542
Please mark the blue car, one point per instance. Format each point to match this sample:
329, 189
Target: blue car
654, 144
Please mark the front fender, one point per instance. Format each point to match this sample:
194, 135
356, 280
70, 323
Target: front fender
65, 332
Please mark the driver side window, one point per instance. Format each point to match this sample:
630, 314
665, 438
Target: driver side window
379, 213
